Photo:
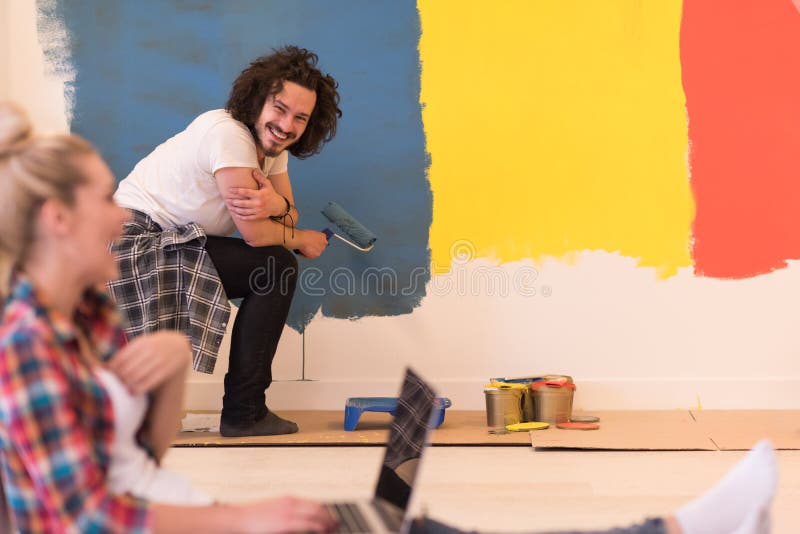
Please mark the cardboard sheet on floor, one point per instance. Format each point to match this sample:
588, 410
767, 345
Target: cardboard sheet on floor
321, 428
733, 430
662, 430
619, 430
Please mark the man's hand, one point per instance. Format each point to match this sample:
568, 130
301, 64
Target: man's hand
312, 243
150, 360
255, 204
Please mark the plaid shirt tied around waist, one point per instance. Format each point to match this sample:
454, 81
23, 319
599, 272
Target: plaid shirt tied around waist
168, 282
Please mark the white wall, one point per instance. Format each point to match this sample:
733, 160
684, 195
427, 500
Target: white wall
629, 339
5, 43
29, 80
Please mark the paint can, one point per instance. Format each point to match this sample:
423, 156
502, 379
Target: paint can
526, 400
503, 407
552, 401
528, 413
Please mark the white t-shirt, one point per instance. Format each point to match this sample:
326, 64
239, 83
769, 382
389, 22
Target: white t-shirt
131, 470
175, 183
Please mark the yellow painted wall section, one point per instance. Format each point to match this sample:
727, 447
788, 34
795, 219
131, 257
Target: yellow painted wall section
556, 126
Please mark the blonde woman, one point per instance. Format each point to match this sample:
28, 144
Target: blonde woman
62, 351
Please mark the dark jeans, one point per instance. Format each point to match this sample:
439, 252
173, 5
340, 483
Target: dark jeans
265, 277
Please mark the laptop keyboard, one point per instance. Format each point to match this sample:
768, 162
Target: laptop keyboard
350, 518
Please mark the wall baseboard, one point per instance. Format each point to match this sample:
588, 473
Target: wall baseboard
592, 394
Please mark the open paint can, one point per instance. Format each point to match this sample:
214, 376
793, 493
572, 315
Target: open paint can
552, 401
503, 407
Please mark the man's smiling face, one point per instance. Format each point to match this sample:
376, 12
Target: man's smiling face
284, 118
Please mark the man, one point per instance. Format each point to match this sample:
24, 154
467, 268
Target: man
227, 171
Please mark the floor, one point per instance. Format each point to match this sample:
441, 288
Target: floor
490, 488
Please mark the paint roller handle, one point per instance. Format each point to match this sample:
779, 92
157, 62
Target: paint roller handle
328, 235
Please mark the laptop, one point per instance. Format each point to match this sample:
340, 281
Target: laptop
408, 438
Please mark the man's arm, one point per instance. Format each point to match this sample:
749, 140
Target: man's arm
262, 233
283, 186
257, 204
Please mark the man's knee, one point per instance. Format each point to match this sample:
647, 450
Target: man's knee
285, 262
283, 267
275, 270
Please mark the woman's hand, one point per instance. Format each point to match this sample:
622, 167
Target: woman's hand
281, 515
311, 243
287, 514
150, 360
255, 204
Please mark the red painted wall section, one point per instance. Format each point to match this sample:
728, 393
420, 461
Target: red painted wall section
741, 76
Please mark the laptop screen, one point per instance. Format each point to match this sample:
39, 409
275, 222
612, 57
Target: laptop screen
407, 440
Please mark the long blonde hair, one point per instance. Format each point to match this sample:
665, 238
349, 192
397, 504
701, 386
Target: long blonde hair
33, 169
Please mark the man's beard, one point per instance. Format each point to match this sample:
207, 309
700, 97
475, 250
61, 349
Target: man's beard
271, 153
275, 152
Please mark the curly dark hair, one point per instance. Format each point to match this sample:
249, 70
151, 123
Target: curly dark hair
265, 77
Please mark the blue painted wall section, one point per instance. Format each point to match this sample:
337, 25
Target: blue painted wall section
145, 69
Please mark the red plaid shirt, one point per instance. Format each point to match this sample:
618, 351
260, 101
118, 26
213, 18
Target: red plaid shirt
56, 420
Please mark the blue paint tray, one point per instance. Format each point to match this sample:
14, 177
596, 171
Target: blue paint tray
355, 406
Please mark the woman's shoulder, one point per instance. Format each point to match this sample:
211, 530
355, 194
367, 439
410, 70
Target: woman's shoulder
30, 359
27, 332
20, 325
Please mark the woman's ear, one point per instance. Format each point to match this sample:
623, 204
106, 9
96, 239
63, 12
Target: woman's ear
54, 218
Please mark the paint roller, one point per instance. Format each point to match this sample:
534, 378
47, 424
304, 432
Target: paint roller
358, 236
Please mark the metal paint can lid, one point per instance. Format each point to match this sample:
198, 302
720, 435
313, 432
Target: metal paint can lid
584, 419
578, 426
